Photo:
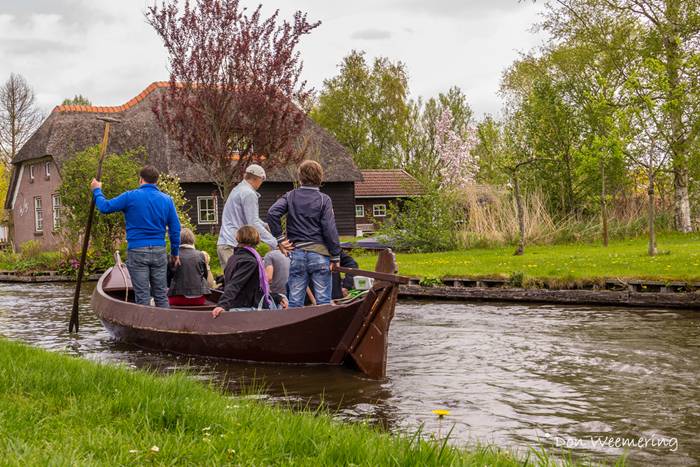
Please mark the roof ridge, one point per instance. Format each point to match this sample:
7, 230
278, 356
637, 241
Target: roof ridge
116, 108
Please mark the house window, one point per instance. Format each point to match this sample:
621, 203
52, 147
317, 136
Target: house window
379, 210
47, 169
31, 172
359, 210
206, 210
38, 215
56, 205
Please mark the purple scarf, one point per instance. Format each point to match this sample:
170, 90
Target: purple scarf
261, 275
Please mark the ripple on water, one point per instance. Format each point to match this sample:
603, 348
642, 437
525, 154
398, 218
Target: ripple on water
512, 374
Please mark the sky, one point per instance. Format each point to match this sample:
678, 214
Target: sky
104, 50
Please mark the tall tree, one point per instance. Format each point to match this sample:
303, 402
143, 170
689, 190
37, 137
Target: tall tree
366, 108
19, 115
663, 73
78, 99
235, 92
421, 158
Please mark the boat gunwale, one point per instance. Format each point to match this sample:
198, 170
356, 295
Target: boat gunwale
225, 319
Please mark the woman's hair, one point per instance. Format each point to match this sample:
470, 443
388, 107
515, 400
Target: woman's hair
248, 235
311, 173
186, 237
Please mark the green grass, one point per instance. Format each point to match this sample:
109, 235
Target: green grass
678, 259
59, 410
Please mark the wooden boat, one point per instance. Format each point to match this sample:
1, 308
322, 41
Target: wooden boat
353, 334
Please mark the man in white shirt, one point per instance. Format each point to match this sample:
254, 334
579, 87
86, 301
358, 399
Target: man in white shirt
241, 209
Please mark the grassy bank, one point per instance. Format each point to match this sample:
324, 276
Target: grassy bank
61, 410
678, 259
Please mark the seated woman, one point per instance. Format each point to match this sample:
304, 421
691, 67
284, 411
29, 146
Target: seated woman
188, 280
245, 282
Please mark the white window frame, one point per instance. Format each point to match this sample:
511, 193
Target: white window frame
359, 208
214, 208
379, 210
31, 172
56, 207
47, 168
38, 214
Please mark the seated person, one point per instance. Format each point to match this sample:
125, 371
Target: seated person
188, 280
210, 276
245, 283
277, 272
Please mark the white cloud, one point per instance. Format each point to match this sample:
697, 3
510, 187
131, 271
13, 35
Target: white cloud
104, 49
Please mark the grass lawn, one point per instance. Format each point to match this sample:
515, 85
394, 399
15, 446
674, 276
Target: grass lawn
678, 259
59, 410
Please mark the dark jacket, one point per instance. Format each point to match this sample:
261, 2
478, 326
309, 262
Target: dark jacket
347, 282
310, 219
190, 278
241, 281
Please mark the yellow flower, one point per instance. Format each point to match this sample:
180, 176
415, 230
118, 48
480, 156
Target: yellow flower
441, 412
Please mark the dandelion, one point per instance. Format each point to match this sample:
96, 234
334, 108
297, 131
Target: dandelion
441, 413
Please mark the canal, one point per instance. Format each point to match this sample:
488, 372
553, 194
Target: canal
575, 377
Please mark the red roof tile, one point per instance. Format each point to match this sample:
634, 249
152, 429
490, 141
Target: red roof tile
119, 108
387, 184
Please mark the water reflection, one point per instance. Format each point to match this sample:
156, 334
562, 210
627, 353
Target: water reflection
512, 374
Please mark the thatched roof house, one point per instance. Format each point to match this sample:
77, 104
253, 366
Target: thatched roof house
70, 129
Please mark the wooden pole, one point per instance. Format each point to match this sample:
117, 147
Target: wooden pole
74, 321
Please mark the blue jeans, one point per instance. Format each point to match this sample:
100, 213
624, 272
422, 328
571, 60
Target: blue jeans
148, 268
309, 267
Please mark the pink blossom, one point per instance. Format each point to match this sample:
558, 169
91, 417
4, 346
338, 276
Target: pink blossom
459, 165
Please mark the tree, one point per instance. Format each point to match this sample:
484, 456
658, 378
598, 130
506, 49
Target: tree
458, 162
420, 156
19, 116
120, 173
78, 99
170, 185
366, 108
663, 72
235, 93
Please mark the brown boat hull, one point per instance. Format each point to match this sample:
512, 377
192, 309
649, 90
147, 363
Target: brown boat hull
354, 334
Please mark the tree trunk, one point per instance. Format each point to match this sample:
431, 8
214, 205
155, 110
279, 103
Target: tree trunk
652, 217
603, 203
681, 200
674, 102
521, 215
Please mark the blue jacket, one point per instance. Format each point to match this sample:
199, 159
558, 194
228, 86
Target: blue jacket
310, 219
147, 212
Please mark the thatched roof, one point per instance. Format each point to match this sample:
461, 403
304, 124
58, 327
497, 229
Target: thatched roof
73, 128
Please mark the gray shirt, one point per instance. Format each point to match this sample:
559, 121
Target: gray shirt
280, 272
241, 209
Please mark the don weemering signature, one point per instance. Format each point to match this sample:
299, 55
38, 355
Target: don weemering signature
641, 442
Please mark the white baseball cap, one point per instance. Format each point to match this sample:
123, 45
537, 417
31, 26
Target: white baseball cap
255, 169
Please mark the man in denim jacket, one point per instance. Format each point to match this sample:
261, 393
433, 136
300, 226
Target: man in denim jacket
311, 229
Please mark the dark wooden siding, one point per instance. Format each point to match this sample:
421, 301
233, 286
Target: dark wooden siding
342, 194
369, 203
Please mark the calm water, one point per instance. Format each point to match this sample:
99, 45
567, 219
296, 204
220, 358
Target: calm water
515, 375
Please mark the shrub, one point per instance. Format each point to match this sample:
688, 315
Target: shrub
30, 249
424, 224
170, 185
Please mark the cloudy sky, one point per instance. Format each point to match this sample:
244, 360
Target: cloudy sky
104, 49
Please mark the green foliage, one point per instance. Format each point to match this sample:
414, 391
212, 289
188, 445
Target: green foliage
29, 259
170, 185
68, 411
4, 184
366, 108
119, 174
424, 223
78, 99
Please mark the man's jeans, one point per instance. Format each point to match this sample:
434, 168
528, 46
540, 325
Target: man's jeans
148, 268
309, 267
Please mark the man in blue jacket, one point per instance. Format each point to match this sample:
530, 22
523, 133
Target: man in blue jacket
147, 212
311, 229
